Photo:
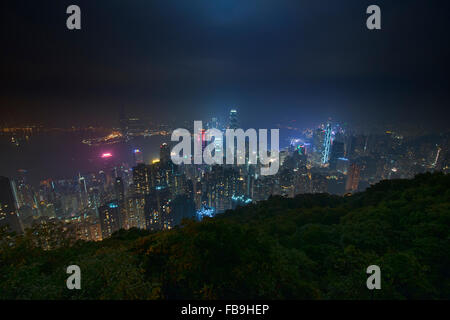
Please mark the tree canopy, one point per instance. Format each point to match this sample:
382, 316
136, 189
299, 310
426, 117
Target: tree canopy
308, 247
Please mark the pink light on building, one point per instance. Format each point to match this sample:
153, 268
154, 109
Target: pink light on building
106, 155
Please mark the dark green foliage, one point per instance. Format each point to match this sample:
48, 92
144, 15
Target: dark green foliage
309, 247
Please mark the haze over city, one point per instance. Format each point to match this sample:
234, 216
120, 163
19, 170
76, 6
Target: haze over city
302, 60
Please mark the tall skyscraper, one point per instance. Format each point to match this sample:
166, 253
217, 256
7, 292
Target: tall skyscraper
119, 189
8, 210
353, 178
326, 144
318, 139
164, 154
233, 120
84, 197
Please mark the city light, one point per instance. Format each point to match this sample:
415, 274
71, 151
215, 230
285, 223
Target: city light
106, 155
206, 212
241, 198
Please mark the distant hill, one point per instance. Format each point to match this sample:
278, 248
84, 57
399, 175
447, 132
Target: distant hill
309, 247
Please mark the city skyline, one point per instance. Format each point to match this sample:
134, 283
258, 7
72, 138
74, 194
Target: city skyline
229, 150
154, 194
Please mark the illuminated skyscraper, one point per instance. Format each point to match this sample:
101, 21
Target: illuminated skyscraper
326, 144
8, 210
142, 179
233, 121
82, 182
84, 197
134, 217
157, 210
110, 218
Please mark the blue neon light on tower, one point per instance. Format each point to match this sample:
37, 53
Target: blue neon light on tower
326, 144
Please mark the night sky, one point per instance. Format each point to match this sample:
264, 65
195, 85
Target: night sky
273, 59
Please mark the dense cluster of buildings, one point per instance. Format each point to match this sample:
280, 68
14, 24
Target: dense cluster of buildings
158, 196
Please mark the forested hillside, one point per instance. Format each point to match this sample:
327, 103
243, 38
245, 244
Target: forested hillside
309, 247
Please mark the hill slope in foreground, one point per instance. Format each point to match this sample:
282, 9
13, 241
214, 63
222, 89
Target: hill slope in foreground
309, 247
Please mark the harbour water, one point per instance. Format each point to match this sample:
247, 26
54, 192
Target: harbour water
62, 155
